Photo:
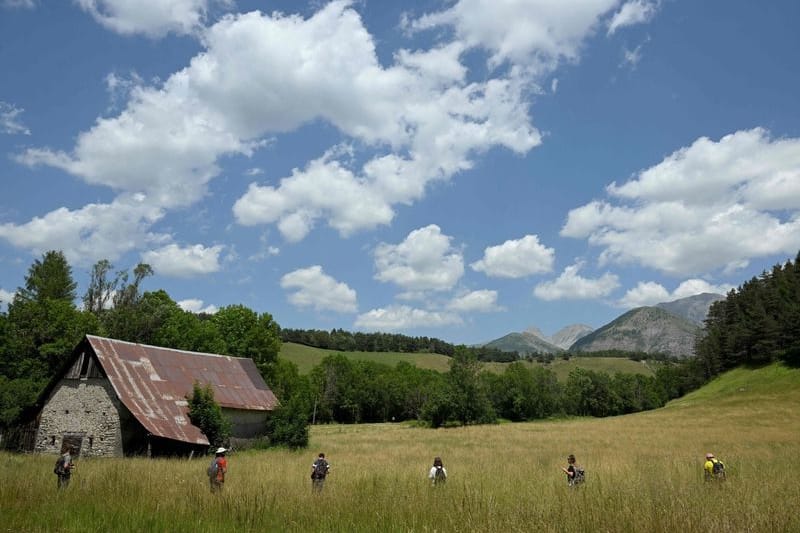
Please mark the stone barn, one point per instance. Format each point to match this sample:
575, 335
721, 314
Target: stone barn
119, 398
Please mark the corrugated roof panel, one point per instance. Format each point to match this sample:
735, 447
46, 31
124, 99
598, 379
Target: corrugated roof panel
153, 383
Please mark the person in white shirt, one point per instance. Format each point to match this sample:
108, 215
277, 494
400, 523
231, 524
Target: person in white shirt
437, 473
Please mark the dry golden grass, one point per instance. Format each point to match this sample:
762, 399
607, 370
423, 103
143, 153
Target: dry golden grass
643, 474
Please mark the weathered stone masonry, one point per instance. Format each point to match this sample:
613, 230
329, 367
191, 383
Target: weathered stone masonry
86, 409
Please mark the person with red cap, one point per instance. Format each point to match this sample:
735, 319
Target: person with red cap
714, 468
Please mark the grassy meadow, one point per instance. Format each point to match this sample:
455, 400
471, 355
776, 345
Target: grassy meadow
307, 357
643, 474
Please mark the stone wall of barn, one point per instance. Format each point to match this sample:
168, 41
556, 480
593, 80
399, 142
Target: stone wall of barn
83, 412
246, 424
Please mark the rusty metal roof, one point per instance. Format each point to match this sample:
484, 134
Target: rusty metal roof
153, 383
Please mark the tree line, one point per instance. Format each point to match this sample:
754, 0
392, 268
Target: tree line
756, 323
347, 341
345, 390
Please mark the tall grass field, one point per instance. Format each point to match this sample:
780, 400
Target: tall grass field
644, 474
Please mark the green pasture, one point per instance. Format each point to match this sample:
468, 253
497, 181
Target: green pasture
644, 473
307, 357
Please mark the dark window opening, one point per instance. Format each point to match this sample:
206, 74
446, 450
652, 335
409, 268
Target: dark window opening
91, 442
86, 359
52, 440
66, 411
72, 441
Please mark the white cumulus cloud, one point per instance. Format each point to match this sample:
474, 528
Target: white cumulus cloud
475, 301
534, 33
400, 317
96, 231
572, 286
423, 123
182, 262
154, 18
708, 206
195, 305
632, 13
651, 293
314, 288
425, 260
516, 258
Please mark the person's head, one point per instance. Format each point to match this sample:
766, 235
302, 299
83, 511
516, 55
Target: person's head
709, 455
571, 459
437, 461
321, 455
220, 451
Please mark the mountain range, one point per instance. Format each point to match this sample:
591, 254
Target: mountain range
669, 328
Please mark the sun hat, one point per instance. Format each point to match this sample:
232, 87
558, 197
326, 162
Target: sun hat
221, 450
709, 455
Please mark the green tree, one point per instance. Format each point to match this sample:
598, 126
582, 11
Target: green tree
464, 397
140, 319
102, 288
48, 279
589, 393
184, 330
206, 414
247, 334
288, 424
43, 325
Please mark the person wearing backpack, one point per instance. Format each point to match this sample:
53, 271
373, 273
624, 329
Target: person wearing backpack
319, 470
217, 470
63, 468
575, 474
437, 473
713, 468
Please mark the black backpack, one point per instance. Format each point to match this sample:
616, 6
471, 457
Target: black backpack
439, 476
580, 476
61, 467
718, 469
320, 469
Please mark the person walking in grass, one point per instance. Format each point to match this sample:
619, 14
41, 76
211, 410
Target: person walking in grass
319, 471
713, 468
64, 467
217, 470
437, 474
575, 474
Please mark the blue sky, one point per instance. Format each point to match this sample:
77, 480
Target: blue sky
458, 169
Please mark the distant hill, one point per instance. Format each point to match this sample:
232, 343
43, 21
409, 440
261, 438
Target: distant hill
645, 329
694, 308
532, 340
524, 343
566, 337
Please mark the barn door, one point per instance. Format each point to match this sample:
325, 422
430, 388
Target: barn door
73, 440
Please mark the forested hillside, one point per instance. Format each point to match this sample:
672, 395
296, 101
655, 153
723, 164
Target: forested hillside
757, 323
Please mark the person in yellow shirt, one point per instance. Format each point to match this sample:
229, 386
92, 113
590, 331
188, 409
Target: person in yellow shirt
714, 468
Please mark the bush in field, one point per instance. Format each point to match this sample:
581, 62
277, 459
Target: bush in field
288, 424
205, 413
